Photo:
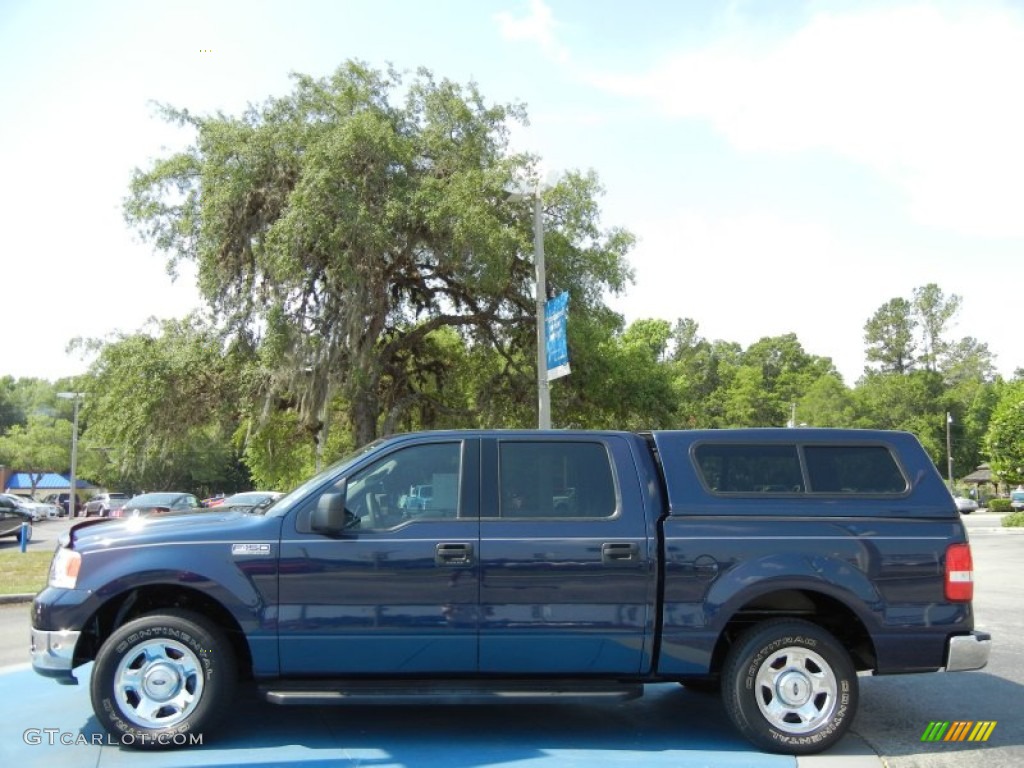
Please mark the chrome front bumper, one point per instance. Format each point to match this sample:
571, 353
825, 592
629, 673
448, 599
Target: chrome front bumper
965, 652
53, 653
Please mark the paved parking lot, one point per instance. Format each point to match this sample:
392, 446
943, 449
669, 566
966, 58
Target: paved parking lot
49, 725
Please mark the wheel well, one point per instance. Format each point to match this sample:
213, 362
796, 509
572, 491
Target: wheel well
150, 599
827, 612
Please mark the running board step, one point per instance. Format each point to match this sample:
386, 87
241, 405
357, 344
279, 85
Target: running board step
327, 692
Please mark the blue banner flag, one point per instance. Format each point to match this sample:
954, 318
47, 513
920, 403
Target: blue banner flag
556, 312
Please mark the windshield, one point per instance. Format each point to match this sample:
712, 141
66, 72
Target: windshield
155, 499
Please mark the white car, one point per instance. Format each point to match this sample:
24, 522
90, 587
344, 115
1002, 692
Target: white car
965, 505
37, 510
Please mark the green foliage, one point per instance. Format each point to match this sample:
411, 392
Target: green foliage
889, 337
19, 398
910, 402
619, 381
1016, 520
42, 445
827, 402
999, 505
160, 410
719, 384
934, 311
338, 227
278, 452
1004, 440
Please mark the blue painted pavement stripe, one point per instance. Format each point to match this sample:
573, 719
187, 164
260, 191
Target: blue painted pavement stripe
668, 727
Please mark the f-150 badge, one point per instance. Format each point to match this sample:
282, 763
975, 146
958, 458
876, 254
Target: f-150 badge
250, 549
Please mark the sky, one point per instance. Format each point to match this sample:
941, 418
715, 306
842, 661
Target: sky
786, 166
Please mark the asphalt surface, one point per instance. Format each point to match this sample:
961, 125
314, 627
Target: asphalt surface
49, 725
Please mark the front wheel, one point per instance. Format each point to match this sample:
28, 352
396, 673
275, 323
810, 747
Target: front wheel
789, 686
162, 677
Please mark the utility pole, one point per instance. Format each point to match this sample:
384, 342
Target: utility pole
949, 451
76, 398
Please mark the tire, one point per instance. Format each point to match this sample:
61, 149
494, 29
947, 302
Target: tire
790, 687
161, 678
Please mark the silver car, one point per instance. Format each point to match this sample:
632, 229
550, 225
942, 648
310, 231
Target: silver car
965, 505
15, 520
103, 504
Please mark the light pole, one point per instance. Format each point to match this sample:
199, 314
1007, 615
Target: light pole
73, 495
543, 393
949, 451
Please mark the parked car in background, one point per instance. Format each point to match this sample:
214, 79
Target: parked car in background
38, 510
250, 501
50, 510
102, 504
1017, 499
61, 501
965, 505
11, 518
33, 510
163, 503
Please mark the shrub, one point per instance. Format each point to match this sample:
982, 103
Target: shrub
1016, 520
999, 505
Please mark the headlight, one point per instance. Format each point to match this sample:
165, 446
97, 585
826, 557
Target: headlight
64, 568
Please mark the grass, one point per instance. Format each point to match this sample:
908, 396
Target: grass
23, 572
1016, 520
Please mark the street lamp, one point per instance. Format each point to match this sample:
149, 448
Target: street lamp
949, 451
543, 393
73, 495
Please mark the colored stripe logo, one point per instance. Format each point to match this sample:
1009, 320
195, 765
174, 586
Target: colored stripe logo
958, 730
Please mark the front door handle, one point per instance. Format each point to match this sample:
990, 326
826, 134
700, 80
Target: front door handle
453, 553
618, 552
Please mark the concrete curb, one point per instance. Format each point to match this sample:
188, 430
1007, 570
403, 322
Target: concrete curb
851, 752
14, 599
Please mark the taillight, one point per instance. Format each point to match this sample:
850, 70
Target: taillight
959, 573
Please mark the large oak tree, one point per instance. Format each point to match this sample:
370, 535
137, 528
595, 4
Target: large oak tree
338, 227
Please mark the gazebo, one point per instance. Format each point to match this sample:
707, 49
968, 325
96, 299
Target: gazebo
979, 477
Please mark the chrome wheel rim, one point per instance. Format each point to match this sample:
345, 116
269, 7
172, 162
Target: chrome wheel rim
796, 690
158, 683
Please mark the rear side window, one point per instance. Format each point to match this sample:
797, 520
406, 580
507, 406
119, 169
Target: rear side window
853, 469
751, 468
799, 469
555, 480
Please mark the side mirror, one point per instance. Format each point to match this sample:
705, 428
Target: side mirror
330, 516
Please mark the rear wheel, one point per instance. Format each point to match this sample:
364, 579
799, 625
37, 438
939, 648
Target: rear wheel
789, 686
162, 677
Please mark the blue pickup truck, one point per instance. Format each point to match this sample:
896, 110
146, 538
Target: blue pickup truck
772, 565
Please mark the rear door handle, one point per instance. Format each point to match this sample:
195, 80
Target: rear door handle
453, 553
618, 552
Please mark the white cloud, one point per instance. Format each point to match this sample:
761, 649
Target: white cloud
746, 276
925, 97
538, 27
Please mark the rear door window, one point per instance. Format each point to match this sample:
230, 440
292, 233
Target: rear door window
555, 480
